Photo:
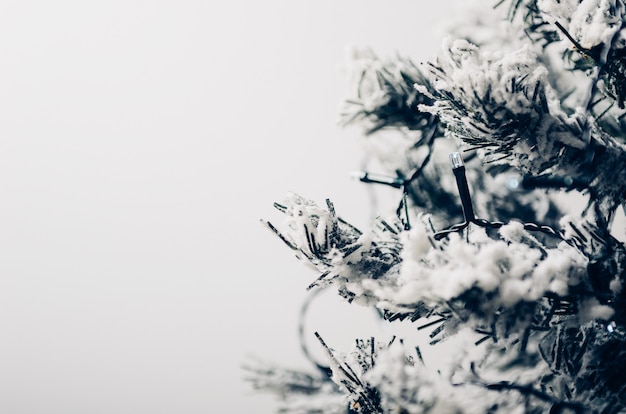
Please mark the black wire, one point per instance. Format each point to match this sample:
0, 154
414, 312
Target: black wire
301, 333
468, 213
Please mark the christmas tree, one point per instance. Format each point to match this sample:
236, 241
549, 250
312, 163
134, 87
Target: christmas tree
524, 104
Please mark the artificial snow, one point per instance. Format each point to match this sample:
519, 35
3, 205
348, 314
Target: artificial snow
590, 22
591, 309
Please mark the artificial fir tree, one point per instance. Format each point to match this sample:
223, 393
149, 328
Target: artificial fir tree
524, 103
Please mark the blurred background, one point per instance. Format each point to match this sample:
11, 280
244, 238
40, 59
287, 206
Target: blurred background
141, 143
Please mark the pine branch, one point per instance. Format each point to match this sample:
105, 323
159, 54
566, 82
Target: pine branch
504, 107
299, 392
384, 96
602, 56
340, 251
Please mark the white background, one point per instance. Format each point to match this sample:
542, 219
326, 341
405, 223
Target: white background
140, 144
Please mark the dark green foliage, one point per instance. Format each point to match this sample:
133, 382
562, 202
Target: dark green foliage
488, 254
